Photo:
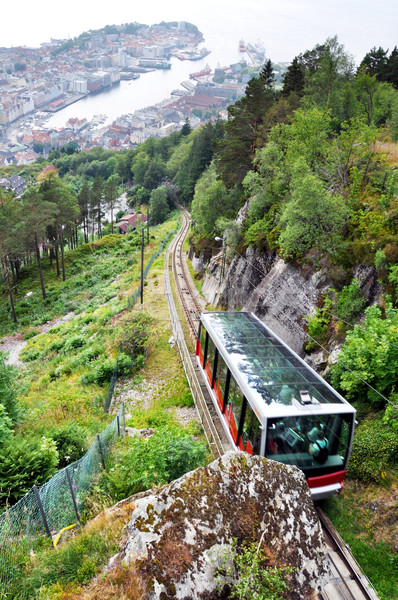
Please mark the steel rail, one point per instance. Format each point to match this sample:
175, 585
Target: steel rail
189, 361
364, 587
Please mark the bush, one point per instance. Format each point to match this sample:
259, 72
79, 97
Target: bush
30, 355
318, 325
134, 333
74, 342
153, 461
125, 364
71, 443
8, 394
25, 461
245, 571
350, 301
101, 372
374, 452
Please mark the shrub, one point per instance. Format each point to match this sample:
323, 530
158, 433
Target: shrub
246, 572
134, 333
318, 325
30, 355
125, 364
101, 372
31, 333
364, 356
74, 342
350, 301
71, 443
8, 394
25, 461
374, 451
153, 461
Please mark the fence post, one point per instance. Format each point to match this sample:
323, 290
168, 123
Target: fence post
42, 513
100, 451
72, 494
118, 425
123, 420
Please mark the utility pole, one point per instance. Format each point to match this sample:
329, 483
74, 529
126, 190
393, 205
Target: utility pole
142, 267
147, 225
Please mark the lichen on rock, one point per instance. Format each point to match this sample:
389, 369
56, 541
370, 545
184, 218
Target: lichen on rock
173, 533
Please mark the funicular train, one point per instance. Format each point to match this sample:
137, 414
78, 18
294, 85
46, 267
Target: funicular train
271, 403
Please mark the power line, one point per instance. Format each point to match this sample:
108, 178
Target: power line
354, 373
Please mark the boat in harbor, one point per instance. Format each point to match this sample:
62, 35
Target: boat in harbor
242, 46
206, 71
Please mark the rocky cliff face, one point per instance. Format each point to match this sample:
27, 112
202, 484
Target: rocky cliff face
277, 292
176, 538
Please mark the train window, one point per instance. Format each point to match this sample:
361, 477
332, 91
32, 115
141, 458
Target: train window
221, 384
211, 353
202, 338
311, 441
234, 407
251, 432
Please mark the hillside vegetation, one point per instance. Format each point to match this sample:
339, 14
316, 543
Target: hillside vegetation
316, 167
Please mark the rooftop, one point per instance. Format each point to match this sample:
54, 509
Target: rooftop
265, 368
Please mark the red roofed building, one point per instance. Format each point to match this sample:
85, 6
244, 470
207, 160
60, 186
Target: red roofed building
45, 172
130, 221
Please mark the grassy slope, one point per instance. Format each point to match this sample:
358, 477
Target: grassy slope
53, 400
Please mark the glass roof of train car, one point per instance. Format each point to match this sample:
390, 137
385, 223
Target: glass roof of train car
268, 367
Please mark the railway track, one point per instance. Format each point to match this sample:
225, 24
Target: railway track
211, 424
187, 296
347, 582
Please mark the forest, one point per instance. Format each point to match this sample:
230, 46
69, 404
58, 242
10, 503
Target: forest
315, 164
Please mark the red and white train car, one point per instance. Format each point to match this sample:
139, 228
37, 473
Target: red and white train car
272, 403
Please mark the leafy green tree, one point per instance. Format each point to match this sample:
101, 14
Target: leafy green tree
84, 201
351, 152
111, 192
9, 243
374, 63
369, 353
38, 215
365, 87
391, 70
211, 201
294, 78
96, 194
155, 174
307, 221
196, 160
331, 68
236, 150
54, 191
159, 206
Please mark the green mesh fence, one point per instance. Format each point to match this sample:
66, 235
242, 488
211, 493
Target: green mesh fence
22, 526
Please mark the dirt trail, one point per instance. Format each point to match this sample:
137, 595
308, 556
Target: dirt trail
12, 345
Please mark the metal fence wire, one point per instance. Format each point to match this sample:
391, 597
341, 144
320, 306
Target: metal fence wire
53, 507
56, 505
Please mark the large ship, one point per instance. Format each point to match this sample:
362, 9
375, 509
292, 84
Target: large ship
242, 46
206, 71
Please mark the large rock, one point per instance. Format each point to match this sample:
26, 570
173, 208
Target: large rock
175, 538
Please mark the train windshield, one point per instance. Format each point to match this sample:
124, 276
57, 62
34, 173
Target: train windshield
312, 443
